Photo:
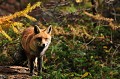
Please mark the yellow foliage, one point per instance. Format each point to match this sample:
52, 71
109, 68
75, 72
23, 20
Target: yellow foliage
85, 75
0, 29
101, 18
88, 35
15, 29
6, 35
28, 9
78, 1
6, 20
105, 47
29, 17
17, 24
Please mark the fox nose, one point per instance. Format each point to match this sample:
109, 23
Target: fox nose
43, 45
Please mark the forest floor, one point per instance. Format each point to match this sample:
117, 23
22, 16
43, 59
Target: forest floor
14, 72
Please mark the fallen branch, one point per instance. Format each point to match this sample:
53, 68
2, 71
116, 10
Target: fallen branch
101, 18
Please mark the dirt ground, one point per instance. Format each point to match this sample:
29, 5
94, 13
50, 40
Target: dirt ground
14, 72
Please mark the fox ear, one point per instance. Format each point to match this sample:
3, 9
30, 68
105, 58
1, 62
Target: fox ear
49, 29
36, 29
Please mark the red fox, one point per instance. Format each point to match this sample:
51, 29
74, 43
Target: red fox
35, 42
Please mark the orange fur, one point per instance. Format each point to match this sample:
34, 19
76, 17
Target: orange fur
35, 42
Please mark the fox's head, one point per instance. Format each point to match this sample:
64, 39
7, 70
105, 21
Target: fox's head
41, 39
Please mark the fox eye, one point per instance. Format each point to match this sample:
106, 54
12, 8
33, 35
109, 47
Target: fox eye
46, 38
39, 39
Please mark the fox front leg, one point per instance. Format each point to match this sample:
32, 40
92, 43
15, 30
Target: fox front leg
31, 65
40, 61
